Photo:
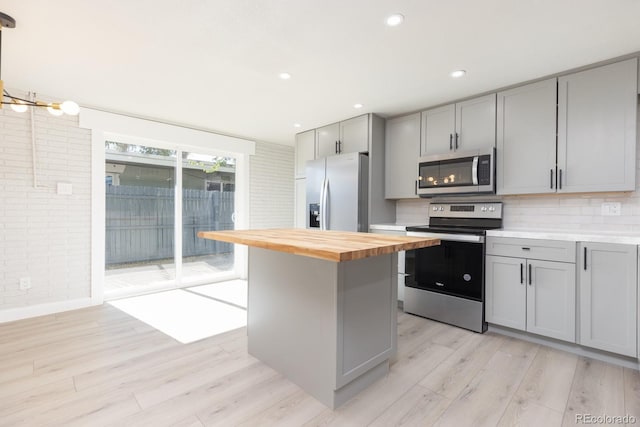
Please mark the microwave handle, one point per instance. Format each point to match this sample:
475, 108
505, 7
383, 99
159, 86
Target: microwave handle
474, 170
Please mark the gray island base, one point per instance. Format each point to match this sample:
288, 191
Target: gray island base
330, 327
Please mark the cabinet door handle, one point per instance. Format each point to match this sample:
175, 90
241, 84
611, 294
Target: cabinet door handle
339, 146
416, 189
529, 274
450, 141
585, 258
336, 149
560, 179
521, 273
551, 179
456, 140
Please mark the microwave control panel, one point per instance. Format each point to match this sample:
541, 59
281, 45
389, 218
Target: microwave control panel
484, 170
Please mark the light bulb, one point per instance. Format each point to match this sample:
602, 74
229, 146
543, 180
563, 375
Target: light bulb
395, 20
19, 106
70, 107
458, 73
54, 111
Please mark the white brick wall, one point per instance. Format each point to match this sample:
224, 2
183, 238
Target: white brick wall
271, 186
43, 235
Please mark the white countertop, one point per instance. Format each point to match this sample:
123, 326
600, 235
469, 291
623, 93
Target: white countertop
393, 226
573, 235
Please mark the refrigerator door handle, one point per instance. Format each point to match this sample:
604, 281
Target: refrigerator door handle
324, 208
321, 213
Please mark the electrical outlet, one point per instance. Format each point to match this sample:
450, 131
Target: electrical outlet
611, 209
25, 283
65, 188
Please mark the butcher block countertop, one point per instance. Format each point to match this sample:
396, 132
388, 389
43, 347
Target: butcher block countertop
328, 245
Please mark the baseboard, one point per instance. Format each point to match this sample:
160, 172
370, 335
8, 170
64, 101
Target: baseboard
18, 313
624, 361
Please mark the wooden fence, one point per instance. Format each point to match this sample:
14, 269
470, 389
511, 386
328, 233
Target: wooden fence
140, 223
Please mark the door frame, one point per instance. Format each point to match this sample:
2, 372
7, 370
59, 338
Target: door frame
138, 131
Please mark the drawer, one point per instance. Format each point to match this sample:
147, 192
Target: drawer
550, 250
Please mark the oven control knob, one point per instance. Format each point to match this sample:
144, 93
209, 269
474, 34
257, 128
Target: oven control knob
435, 208
483, 209
492, 208
441, 209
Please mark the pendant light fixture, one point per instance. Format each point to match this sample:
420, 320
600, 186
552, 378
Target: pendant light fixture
21, 105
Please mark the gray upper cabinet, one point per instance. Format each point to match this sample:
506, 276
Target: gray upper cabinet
438, 126
467, 125
608, 297
526, 139
354, 135
349, 136
597, 128
327, 140
305, 150
402, 149
476, 123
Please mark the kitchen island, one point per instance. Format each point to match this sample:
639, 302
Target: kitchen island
322, 305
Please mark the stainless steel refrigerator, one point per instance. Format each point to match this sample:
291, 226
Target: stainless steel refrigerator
337, 192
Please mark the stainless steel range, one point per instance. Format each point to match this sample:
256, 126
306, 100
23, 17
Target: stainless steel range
446, 282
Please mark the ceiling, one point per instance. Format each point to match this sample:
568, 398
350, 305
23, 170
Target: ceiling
214, 64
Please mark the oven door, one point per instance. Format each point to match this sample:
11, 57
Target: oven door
453, 268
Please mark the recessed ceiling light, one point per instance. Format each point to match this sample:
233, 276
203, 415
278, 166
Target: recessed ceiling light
394, 20
285, 76
296, 125
458, 73
357, 105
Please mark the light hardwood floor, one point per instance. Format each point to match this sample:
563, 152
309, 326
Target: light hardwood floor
98, 366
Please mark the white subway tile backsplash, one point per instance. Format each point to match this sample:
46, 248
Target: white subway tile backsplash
558, 211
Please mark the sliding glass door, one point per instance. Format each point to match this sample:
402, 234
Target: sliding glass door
208, 203
155, 207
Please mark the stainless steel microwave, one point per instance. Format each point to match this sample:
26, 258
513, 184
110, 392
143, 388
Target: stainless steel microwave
469, 172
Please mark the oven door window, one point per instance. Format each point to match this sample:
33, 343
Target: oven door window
452, 268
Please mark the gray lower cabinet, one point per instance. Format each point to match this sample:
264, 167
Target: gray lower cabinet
464, 126
505, 293
608, 286
348, 136
526, 139
533, 295
597, 128
402, 149
305, 149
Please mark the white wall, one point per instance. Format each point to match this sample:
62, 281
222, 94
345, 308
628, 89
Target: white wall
43, 235
272, 187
